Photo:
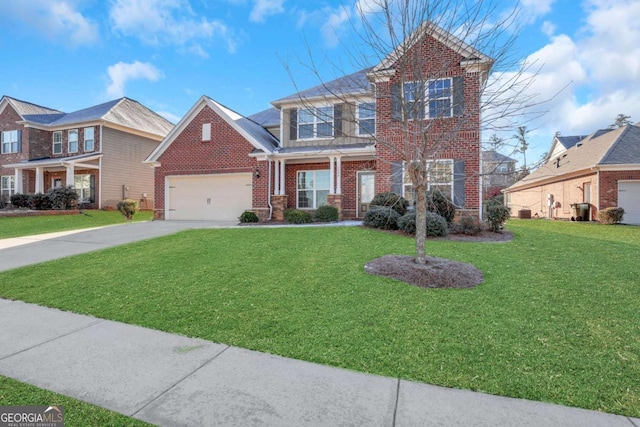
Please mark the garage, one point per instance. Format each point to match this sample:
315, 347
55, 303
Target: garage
629, 200
219, 197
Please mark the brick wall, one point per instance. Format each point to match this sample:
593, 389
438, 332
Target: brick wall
609, 186
8, 120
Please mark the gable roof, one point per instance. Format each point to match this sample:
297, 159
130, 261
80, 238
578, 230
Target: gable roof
494, 156
257, 135
266, 118
569, 141
24, 108
614, 147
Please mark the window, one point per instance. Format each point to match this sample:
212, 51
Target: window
89, 141
315, 122
85, 187
313, 189
440, 178
73, 141
429, 100
206, 131
57, 143
367, 118
7, 187
11, 141
502, 168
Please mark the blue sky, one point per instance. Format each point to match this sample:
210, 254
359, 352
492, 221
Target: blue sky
72, 54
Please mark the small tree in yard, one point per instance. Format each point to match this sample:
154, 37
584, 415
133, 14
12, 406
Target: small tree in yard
431, 111
128, 208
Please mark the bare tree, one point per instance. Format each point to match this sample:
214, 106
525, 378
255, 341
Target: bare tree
431, 117
523, 145
621, 120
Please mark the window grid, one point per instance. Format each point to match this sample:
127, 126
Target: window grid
440, 178
57, 143
73, 141
89, 139
366, 118
430, 99
312, 189
315, 122
9, 141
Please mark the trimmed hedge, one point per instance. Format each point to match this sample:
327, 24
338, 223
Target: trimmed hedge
296, 216
326, 213
440, 204
391, 200
496, 216
436, 225
382, 217
247, 217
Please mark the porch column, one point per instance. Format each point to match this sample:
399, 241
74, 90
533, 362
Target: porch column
338, 175
70, 175
18, 181
331, 175
282, 178
276, 176
39, 180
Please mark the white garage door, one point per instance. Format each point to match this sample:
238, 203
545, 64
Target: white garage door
629, 200
221, 197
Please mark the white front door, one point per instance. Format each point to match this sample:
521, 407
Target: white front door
366, 191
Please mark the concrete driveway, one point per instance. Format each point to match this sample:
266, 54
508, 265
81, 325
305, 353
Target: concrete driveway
21, 251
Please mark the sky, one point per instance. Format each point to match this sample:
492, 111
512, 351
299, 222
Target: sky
166, 54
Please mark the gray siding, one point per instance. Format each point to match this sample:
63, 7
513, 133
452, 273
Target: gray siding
122, 167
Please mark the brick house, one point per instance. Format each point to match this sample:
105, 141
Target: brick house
97, 150
601, 170
498, 172
336, 143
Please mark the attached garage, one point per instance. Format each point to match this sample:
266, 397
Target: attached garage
629, 200
218, 197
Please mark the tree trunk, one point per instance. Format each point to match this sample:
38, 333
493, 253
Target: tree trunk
421, 223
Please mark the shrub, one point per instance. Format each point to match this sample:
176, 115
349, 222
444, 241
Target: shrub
496, 216
610, 215
62, 197
391, 200
19, 200
383, 217
41, 201
326, 213
407, 223
440, 204
296, 216
436, 225
248, 216
467, 225
128, 208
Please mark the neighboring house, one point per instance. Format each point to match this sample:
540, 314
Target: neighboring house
498, 172
98, 150
602, 170
321, 145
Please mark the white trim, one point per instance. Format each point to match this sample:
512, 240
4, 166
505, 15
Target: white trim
84, 139
358, 173
315, 189
53, 141
69, 141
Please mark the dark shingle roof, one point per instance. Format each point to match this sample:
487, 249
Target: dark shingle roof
258, 132
355, 83
87, 114
569, 141
626, 149
270, 117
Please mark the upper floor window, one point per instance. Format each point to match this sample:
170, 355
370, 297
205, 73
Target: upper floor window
73, 141
366, 118
57, 143
502, 168
11, 141
439, 178
89, 139
430, 99
316, 122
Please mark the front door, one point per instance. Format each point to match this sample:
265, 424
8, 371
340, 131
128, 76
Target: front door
366, 191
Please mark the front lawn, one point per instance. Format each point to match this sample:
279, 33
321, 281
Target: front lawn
30, 225
556, 319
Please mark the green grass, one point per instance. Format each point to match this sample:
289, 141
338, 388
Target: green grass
26, 226
555, 320
76, 413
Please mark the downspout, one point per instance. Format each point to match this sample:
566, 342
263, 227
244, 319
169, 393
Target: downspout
100, 171
598, 190
269, 161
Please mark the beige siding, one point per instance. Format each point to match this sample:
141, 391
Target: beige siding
122, 168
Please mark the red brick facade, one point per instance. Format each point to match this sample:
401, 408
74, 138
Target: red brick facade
609, 186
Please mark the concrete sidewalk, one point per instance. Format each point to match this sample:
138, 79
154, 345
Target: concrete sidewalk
172, 380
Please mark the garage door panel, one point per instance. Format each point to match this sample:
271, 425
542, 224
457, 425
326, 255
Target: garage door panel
220, 197
629, 200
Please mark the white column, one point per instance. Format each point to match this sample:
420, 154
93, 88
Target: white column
276, 184
70, 175
39, 180
332, 171
282, 178
18, 183
339, 175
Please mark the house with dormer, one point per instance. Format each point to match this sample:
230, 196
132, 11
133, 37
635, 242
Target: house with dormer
338, 143
97, 150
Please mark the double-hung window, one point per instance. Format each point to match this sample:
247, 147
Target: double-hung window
439, 178
7, 187
313, 189
430, 99
85, 187
439, 98
57, 143
89, 139
10, 141
367, 118
316, 122
73, 141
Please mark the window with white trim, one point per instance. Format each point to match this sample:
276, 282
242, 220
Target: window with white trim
89, 139
430, 99
439, 178
313, 189
316, 122
57, 143
10, 141
73, 141
366, 117
7, 187
84, 185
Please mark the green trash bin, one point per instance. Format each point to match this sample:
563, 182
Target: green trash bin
584, 212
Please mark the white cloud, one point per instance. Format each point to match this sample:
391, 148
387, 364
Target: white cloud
334, 25
121, 73
536, 8
170, 116
56, 19
368, 6
263, 8
167, 22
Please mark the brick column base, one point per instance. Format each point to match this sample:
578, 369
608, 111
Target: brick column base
335, 200
279, 204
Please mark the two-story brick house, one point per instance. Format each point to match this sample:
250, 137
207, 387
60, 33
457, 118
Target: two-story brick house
338, 143
98, 150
